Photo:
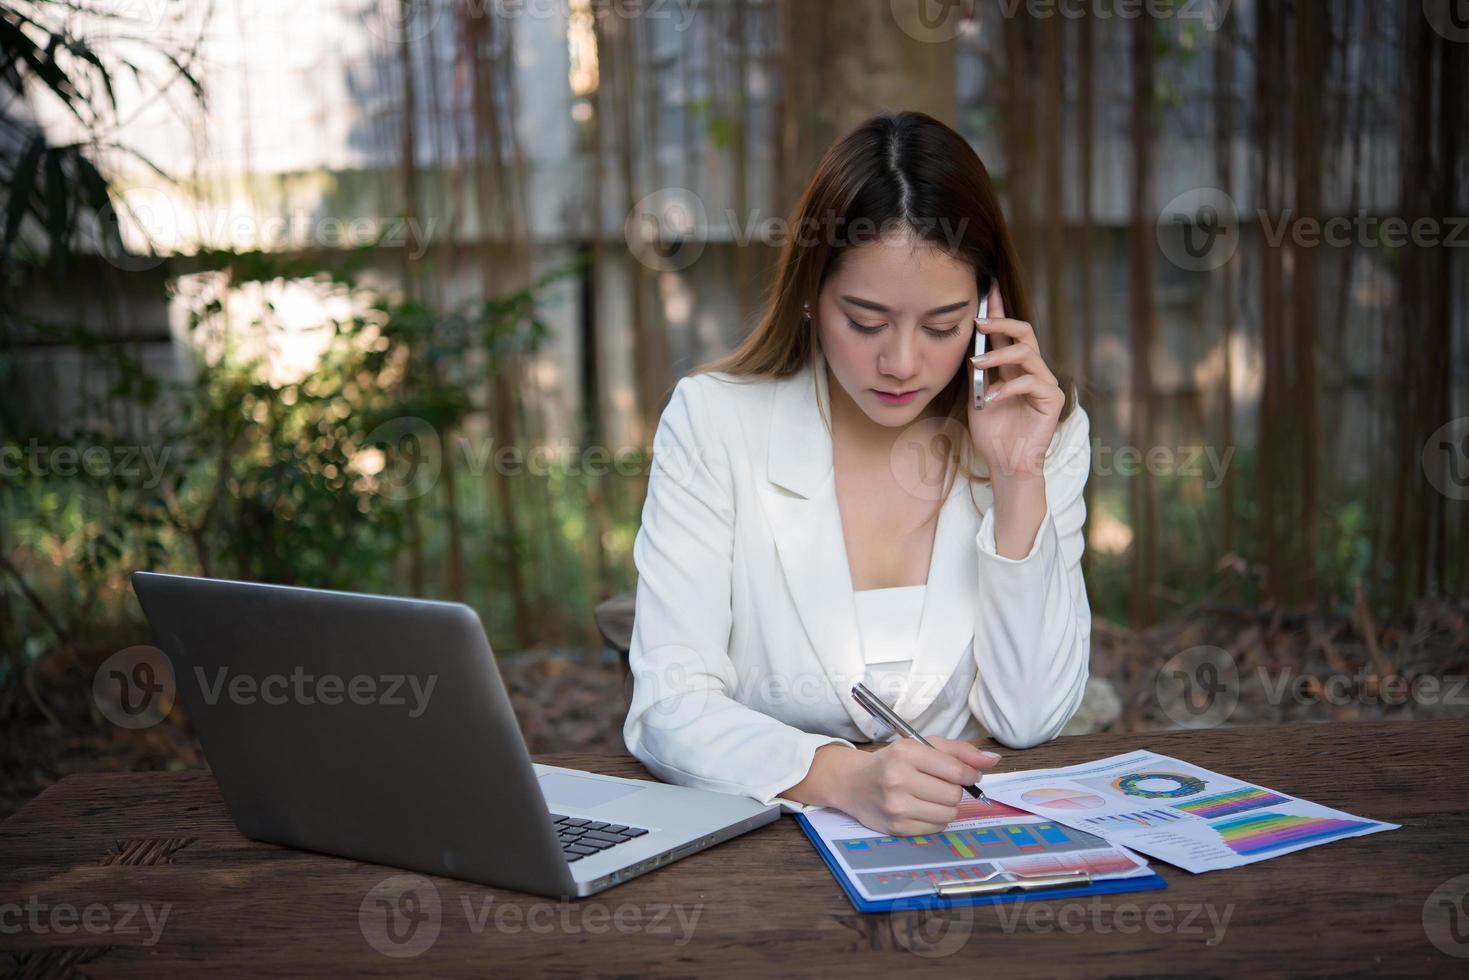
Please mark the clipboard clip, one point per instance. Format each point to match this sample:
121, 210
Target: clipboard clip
995, 883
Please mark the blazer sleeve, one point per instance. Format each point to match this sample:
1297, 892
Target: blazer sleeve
1033, 622
683, 723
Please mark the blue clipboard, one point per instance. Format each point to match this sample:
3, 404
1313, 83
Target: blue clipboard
1140, 884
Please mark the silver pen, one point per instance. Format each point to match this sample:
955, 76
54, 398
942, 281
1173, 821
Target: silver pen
875, 707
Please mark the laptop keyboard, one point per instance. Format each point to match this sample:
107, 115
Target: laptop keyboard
580, 837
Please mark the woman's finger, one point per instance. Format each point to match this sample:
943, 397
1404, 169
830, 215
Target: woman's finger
966, 752
1014, 331
1019, 354
931, 789
1041, 394
942, 766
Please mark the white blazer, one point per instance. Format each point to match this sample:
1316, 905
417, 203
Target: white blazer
745, 642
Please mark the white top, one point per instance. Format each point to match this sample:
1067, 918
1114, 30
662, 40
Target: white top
887, 620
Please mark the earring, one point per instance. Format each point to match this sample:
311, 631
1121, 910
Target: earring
805, 311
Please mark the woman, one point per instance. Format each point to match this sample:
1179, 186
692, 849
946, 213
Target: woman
826, 506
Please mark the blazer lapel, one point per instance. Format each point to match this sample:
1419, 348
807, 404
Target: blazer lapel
946, 627
801, 505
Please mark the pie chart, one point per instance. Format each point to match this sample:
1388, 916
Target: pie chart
1062, 799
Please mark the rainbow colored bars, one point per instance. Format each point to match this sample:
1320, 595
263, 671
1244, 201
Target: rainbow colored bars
1271, 831
1235, 801
956, 844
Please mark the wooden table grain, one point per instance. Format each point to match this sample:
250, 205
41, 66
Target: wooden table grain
204, 901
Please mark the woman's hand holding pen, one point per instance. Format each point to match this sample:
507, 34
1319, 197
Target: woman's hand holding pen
908, 788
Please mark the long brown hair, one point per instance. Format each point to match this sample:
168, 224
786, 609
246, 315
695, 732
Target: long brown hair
895, 170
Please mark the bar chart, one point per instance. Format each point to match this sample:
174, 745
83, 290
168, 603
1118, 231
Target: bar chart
1265, 832
885, 884
1138, 818
981, 843
1227, 804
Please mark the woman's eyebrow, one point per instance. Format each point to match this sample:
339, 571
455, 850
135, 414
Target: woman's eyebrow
868, 304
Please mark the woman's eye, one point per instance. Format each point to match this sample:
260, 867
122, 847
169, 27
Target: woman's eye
933, 331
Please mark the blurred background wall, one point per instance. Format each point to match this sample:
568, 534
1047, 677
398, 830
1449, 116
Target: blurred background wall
388, 295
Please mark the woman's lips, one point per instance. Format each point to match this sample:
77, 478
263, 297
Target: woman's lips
890, 398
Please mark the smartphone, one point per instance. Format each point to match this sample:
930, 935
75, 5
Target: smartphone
981, 339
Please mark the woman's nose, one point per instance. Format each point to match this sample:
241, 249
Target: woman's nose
900, 359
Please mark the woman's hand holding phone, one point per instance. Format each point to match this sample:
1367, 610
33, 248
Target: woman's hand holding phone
1014, 429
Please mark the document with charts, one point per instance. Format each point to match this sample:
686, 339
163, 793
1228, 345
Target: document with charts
988, 839
1176, 812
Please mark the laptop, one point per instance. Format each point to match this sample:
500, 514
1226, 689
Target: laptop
379, 729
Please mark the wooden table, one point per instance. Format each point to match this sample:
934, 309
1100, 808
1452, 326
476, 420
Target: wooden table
98, 845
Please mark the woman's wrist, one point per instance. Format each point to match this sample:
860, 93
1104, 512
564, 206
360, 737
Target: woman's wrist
831, 773
1020, 505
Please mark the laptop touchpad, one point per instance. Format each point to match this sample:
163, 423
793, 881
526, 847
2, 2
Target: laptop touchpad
580, 792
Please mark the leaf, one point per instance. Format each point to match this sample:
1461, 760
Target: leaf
57, 197
83, 51
20, 193
42, 64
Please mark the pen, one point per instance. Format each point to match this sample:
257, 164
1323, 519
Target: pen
875, 707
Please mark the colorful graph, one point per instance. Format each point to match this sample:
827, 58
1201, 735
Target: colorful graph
972, 809
1146, 785
985, 843
1226, 804
1141, 818
1263, 832
885, 883
1052, 798
1096, 862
